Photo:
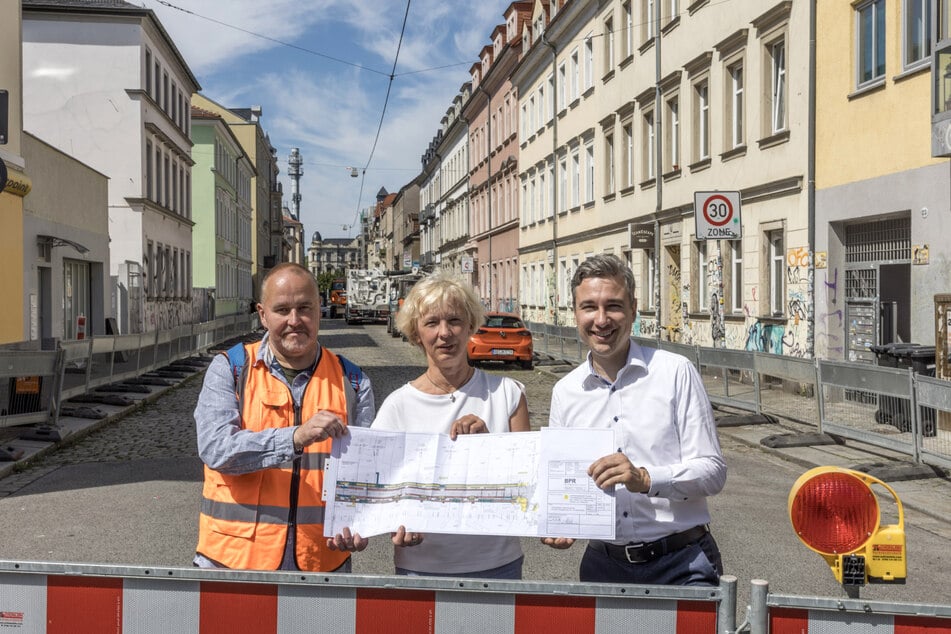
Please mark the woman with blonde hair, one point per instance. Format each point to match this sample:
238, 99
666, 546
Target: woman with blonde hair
438, 315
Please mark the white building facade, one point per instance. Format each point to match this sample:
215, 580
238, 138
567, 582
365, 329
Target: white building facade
105, 83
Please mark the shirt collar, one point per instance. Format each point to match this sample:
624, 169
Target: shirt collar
635, 359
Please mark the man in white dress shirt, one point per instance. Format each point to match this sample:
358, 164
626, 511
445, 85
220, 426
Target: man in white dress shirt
668, 459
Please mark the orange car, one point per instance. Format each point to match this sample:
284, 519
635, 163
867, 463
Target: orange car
503, 337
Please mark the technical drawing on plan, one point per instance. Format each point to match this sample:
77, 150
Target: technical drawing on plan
486, 484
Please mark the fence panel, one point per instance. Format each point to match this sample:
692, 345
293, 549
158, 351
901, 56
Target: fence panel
795, 614
787, 387
683, 349
103, 349
29, 382
730, 378
857, 398
76, 366
934, 408
125, 359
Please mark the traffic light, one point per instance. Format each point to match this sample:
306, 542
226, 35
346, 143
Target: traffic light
835, 512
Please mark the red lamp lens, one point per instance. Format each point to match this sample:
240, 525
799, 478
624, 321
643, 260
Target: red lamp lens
834, 513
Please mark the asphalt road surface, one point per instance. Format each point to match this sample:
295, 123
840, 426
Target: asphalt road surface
129, 494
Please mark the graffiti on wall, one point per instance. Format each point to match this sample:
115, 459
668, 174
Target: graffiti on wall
829, 324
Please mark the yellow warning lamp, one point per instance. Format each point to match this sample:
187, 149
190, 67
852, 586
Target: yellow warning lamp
835, 513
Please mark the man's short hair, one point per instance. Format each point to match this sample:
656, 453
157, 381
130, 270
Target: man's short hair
288, 267
605, 265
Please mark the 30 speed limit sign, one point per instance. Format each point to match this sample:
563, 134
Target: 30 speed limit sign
717, 215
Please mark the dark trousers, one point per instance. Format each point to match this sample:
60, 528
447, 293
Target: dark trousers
698, 564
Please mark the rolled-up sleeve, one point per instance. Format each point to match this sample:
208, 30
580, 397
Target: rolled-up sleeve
223, 445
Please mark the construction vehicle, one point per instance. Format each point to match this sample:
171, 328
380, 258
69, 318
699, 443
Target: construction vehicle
337, 297
368, 296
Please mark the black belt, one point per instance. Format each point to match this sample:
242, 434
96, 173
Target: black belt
643, 553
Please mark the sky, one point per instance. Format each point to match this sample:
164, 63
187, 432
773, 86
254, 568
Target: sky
320, 70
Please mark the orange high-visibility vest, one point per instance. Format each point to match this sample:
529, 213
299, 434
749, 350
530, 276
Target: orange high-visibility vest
244, 518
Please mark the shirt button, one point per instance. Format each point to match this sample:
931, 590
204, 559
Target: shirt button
615, 419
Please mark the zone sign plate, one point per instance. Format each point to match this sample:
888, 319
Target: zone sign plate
717, 215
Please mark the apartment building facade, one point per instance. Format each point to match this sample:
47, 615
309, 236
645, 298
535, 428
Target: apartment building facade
880, 256
104, 81
624, 120
221, 199
267, 234
492, 113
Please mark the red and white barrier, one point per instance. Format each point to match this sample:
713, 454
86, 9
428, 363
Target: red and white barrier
801, 621
80, 603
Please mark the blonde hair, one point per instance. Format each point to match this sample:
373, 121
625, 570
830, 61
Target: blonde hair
436, 291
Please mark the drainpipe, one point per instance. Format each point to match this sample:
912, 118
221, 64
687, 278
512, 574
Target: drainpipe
811, 187
659, 153
554, 168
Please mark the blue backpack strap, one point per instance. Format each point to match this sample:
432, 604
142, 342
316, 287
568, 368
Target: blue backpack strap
237, 359
352, 371
352, 375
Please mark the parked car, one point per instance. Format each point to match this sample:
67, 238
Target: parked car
503, 337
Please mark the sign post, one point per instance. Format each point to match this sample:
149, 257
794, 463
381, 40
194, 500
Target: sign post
717, 215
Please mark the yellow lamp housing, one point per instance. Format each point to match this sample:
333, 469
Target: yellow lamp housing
835, 512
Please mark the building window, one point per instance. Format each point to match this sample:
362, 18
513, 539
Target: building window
736, 275
735, 85
563, 183
589, 173
148, 170
777, 93
649, 148
148, 72
702, 284
917, 36
673, 134
629, 155
672, 9
562, 86
609, 44
648, 27
651, 265
628, 29
588, 63
777, 266
870, 33
550, 102
609, 163
701, 115
575, 72
575, 179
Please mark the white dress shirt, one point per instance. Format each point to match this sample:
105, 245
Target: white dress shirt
663, 421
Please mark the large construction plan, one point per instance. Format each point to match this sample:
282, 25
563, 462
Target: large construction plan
532, 484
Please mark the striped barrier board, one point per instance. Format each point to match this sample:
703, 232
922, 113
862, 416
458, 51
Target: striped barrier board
83, 599
823, 615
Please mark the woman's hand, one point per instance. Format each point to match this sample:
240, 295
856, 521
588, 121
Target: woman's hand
403, 538
468, 424
347, 541
559, 543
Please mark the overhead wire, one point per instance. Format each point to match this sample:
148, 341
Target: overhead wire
386, 100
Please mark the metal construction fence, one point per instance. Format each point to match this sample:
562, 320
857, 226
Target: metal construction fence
53, 598
894, 408
34, 383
